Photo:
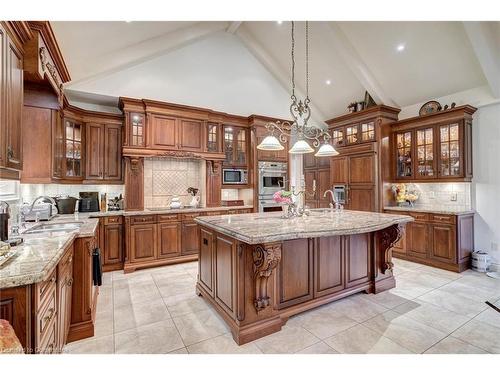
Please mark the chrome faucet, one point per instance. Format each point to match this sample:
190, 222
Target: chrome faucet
334, 203
45, 197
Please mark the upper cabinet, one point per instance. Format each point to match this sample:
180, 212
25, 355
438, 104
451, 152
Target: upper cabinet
260, 132
434, 147
235, 145
103, 151
73, 149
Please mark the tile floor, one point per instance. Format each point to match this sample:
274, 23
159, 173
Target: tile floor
430, 311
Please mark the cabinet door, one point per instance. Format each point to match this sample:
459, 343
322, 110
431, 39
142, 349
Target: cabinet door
206, 261
309, 160
3, 120
137, 130
190, 238
213, 137
361, 197
57, 146
95, 151
443, 246
352, 134
450, 151
329, 265
425, 165
14, 106
404, 154
191, 134
260, 134
225, 280
214, 183
64, 309
323, 184
361, 169
143, 239
113, 152
164, 132
295, 273
338, 170
113, 240
417, 239
310, 180
358, 249
169, 240
73, 150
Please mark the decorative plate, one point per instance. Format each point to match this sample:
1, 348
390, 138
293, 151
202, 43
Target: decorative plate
429, 107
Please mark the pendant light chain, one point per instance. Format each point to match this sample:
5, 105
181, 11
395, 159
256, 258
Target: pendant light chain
293, 60
307, 63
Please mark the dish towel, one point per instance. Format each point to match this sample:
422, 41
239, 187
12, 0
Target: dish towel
97, 266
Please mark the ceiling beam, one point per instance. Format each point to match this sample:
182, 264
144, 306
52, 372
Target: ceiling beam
485, 45
356, 64
281, 75
139, 53
233, 26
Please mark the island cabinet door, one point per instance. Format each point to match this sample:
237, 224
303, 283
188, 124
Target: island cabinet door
358, 259
190, 238
295, 272
328, 266
143, 239
206, 261
225, 275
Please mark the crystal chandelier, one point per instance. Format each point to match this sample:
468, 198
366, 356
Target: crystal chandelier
299, 129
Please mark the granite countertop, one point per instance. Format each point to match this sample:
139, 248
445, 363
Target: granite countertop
437, 210
268, 227
37, 256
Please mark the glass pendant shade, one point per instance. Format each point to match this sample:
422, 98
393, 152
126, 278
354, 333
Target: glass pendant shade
326, 149
270, 143
301, 147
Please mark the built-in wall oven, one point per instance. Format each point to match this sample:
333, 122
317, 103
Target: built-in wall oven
272, 178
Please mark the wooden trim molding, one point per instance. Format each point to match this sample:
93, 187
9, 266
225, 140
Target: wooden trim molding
265, 259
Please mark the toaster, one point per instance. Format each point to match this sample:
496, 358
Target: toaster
42, 211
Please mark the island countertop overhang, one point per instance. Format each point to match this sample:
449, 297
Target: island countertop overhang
270, 227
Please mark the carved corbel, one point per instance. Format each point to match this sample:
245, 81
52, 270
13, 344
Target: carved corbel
388, 238
135, 165
265, 259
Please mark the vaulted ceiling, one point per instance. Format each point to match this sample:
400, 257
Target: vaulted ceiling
398, 63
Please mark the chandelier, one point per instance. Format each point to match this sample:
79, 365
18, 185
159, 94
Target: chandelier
298, 128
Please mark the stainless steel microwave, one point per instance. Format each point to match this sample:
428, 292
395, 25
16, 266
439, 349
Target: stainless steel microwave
233, 176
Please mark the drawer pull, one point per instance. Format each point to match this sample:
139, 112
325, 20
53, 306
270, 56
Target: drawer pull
70, 282
53, 279
49, 318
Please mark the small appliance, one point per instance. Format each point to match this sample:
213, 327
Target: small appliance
66, 204
41, 211
88, 202
339, 194
234, 176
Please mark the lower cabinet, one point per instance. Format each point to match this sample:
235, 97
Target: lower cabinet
111, 243
169, 240
143, 242
439, 240
190, 238
64, 292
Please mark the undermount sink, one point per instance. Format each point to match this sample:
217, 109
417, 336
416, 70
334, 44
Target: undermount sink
54, 227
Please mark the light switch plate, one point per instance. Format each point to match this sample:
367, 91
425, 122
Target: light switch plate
453, 197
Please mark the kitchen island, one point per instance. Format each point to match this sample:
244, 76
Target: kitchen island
259, 269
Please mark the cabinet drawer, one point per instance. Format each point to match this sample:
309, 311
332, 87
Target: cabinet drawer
45, 288
67, 259
215, 213
419, 216
448, 219
113, 220
49, 343
191, 216
143, 219
167, 218
47, 316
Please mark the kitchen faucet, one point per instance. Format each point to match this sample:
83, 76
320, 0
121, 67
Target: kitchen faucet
335, 204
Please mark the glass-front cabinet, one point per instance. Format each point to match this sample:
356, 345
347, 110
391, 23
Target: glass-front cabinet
425, 153
213, 137
235, 145
137, 133
73, 167
354, 133
404, 151
449, 150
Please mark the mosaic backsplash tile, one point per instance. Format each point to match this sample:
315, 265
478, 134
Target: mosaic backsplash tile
165, 178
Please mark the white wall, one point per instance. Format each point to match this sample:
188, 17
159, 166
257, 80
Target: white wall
486, 181
217, 72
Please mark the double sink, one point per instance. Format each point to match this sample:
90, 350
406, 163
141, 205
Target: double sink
54, 227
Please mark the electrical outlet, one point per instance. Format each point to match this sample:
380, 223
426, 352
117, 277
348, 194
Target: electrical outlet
453, 197
432, 195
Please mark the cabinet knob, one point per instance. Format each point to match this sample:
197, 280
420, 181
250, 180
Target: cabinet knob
10, 152
53, 279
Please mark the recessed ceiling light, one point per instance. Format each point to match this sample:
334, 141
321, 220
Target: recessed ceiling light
279, 22
400, 47
328, 82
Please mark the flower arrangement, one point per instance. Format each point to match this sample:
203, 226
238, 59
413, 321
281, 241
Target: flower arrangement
403, 194
283, 197
192, 191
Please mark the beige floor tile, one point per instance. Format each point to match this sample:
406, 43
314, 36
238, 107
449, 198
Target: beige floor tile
101, 345
406, 332
107, 279
103, 323
451, 345
411, 288
356, 307
388, 299
361, 340
160, 337
442, 273
480, 279
165, 280
480, 334
179, 351
223, 345
178, 288
406, 264
425, 279
470, 290
431, 315
142, 291
188, 305
324, 322
105, 299
490, 317
319, 348
141, 275
200, 326
288, 340
460, 305
139, 314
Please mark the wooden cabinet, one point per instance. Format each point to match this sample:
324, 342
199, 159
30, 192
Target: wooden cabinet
317, 173
11, 103
435, 147
103, 152
169, 239
191, 135
190, 237
111, 243
213, 137
64, 292
143, 239
137, 129
173, 133
329, 266
206, 261
262, 155
73, 142
214, 183
163, 132
438, 240
235, 145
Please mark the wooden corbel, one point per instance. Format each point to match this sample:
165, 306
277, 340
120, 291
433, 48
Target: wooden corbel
388, 238
265, 259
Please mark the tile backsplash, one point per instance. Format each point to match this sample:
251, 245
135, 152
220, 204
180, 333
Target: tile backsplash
165, 178
28, 192
444, 195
